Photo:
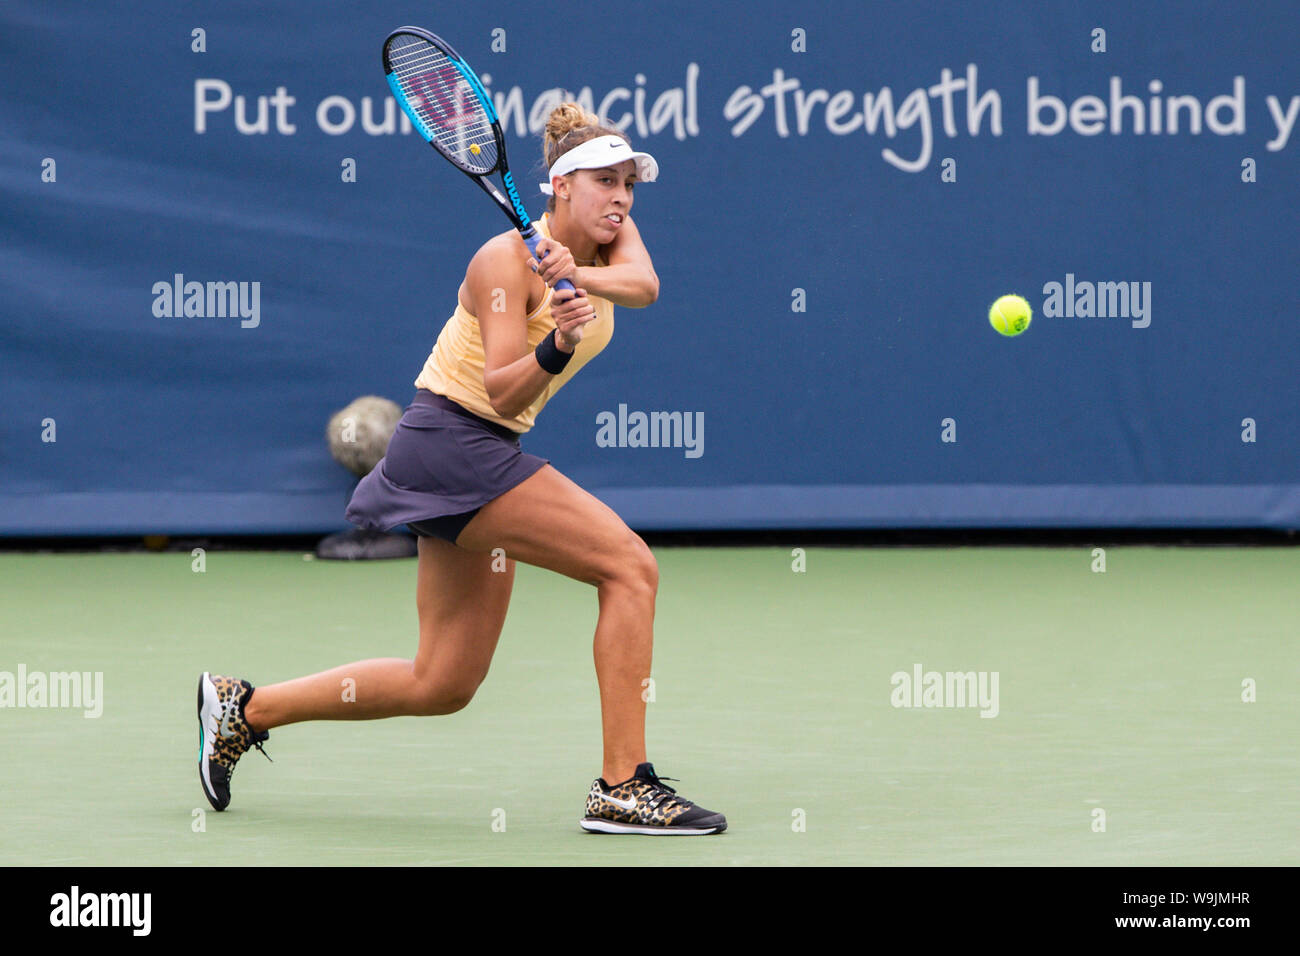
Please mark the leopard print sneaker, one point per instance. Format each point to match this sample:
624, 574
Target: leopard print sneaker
645, 804
224, 735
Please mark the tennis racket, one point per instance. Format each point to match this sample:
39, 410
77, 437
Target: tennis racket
448, 105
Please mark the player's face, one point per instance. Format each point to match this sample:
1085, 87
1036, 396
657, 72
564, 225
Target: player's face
601, 199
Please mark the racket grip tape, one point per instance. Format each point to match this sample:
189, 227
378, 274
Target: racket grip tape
531, 239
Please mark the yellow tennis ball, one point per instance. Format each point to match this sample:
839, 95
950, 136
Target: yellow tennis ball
1010, 315
473, 148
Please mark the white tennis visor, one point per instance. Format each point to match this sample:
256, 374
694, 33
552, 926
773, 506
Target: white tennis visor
597, 154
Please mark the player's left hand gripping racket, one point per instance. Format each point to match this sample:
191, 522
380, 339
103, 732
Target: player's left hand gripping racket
450, 108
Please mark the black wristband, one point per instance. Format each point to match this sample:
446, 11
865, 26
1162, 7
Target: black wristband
549, 356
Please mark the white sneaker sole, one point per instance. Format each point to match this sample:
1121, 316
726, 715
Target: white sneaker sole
209, 707
608, 826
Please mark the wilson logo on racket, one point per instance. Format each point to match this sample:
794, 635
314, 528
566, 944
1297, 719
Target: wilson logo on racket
449, 107
513, 194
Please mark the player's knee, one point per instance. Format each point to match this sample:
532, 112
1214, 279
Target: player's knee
648, 567
457, 701
634, 567
433, 700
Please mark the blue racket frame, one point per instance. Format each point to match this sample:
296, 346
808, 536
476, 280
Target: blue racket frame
512, 207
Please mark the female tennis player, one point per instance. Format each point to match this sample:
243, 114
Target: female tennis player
455, 474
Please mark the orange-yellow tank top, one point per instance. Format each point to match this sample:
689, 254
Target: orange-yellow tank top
455, 366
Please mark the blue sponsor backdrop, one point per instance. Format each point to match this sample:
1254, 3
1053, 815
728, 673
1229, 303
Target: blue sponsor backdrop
772, 180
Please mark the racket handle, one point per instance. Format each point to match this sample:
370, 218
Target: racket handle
531, 238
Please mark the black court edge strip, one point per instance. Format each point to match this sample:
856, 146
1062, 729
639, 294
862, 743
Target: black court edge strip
816, 537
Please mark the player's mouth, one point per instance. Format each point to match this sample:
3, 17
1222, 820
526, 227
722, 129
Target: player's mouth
615, 219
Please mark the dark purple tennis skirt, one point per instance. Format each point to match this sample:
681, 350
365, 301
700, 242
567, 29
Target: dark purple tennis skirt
442, 460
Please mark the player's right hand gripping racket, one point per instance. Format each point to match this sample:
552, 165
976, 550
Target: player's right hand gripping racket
448, 105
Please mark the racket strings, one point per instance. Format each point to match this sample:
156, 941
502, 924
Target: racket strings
439, 94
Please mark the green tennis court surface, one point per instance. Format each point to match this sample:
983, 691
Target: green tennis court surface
1118, 691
